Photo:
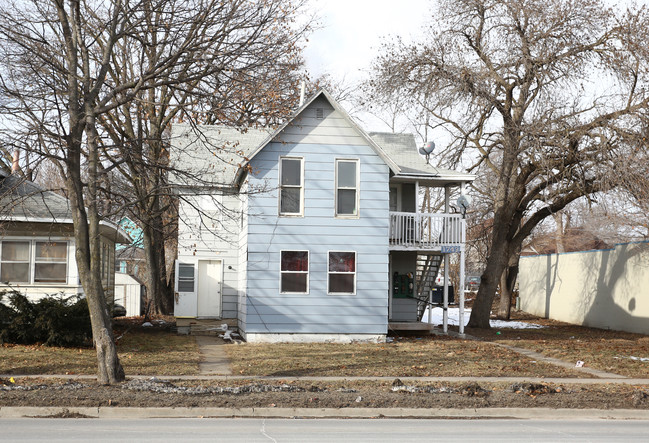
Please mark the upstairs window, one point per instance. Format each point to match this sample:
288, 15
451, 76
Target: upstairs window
291, 186
294, 272
342, 273
347, 188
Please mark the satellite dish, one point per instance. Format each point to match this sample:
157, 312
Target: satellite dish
427, 148
464, 201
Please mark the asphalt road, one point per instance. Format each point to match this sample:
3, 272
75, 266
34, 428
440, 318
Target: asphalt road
323, 430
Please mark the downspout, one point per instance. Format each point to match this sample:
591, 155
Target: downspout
462, 258
447, 208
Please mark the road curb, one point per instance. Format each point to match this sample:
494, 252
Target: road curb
422, 379
305, 413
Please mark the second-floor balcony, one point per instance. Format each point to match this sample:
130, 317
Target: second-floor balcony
425, 231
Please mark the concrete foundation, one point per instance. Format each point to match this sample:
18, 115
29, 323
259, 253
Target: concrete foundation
314, 338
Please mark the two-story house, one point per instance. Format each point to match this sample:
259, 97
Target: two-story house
312, 232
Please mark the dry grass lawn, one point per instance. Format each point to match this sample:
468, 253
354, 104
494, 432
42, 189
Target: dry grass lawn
601, 349
142, 351
426, 356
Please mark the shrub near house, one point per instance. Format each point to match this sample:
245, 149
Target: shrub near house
52, 320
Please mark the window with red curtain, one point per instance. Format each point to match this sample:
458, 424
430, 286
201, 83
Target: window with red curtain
294, 272
342, 272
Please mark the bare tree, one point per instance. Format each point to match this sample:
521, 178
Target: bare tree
545, 96
62, 91
239, 66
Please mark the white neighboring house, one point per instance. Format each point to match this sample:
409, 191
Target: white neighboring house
311, 232
37, 242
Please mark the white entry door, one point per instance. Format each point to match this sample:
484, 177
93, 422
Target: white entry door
209, 288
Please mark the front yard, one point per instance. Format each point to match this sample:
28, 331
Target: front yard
153, 350
622, 353
158, 350
405, 356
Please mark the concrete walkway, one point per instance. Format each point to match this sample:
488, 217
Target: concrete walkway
214, 360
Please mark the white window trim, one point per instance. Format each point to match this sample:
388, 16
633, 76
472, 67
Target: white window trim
32, 259
357, 188
354, 273
308, 272
280, 186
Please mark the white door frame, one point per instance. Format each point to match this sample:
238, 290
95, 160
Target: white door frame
216, 312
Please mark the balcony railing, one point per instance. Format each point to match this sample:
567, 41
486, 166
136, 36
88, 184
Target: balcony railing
426, 231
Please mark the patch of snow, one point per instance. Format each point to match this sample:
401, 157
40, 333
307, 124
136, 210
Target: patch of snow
146, 324
454, 315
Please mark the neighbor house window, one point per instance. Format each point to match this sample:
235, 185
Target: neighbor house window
50, 262
14, 266
342, 273
34, 262
294, 272
291, 186
185, 277
347, 188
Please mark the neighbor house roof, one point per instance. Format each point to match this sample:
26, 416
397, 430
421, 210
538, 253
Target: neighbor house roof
24, 201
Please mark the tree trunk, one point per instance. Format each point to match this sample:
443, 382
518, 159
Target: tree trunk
88, 255
481, 310
159, 293
507, 284
505, 298
559, 233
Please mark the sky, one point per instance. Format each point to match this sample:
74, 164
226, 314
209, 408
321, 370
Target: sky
351, 30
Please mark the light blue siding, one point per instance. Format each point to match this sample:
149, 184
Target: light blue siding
318, 231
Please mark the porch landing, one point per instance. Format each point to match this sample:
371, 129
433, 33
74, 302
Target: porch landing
411, 326
203, 326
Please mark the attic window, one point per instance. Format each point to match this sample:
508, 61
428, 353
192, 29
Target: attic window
319, 113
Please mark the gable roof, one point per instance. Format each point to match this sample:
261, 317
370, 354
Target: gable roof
215, 156
323, 93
